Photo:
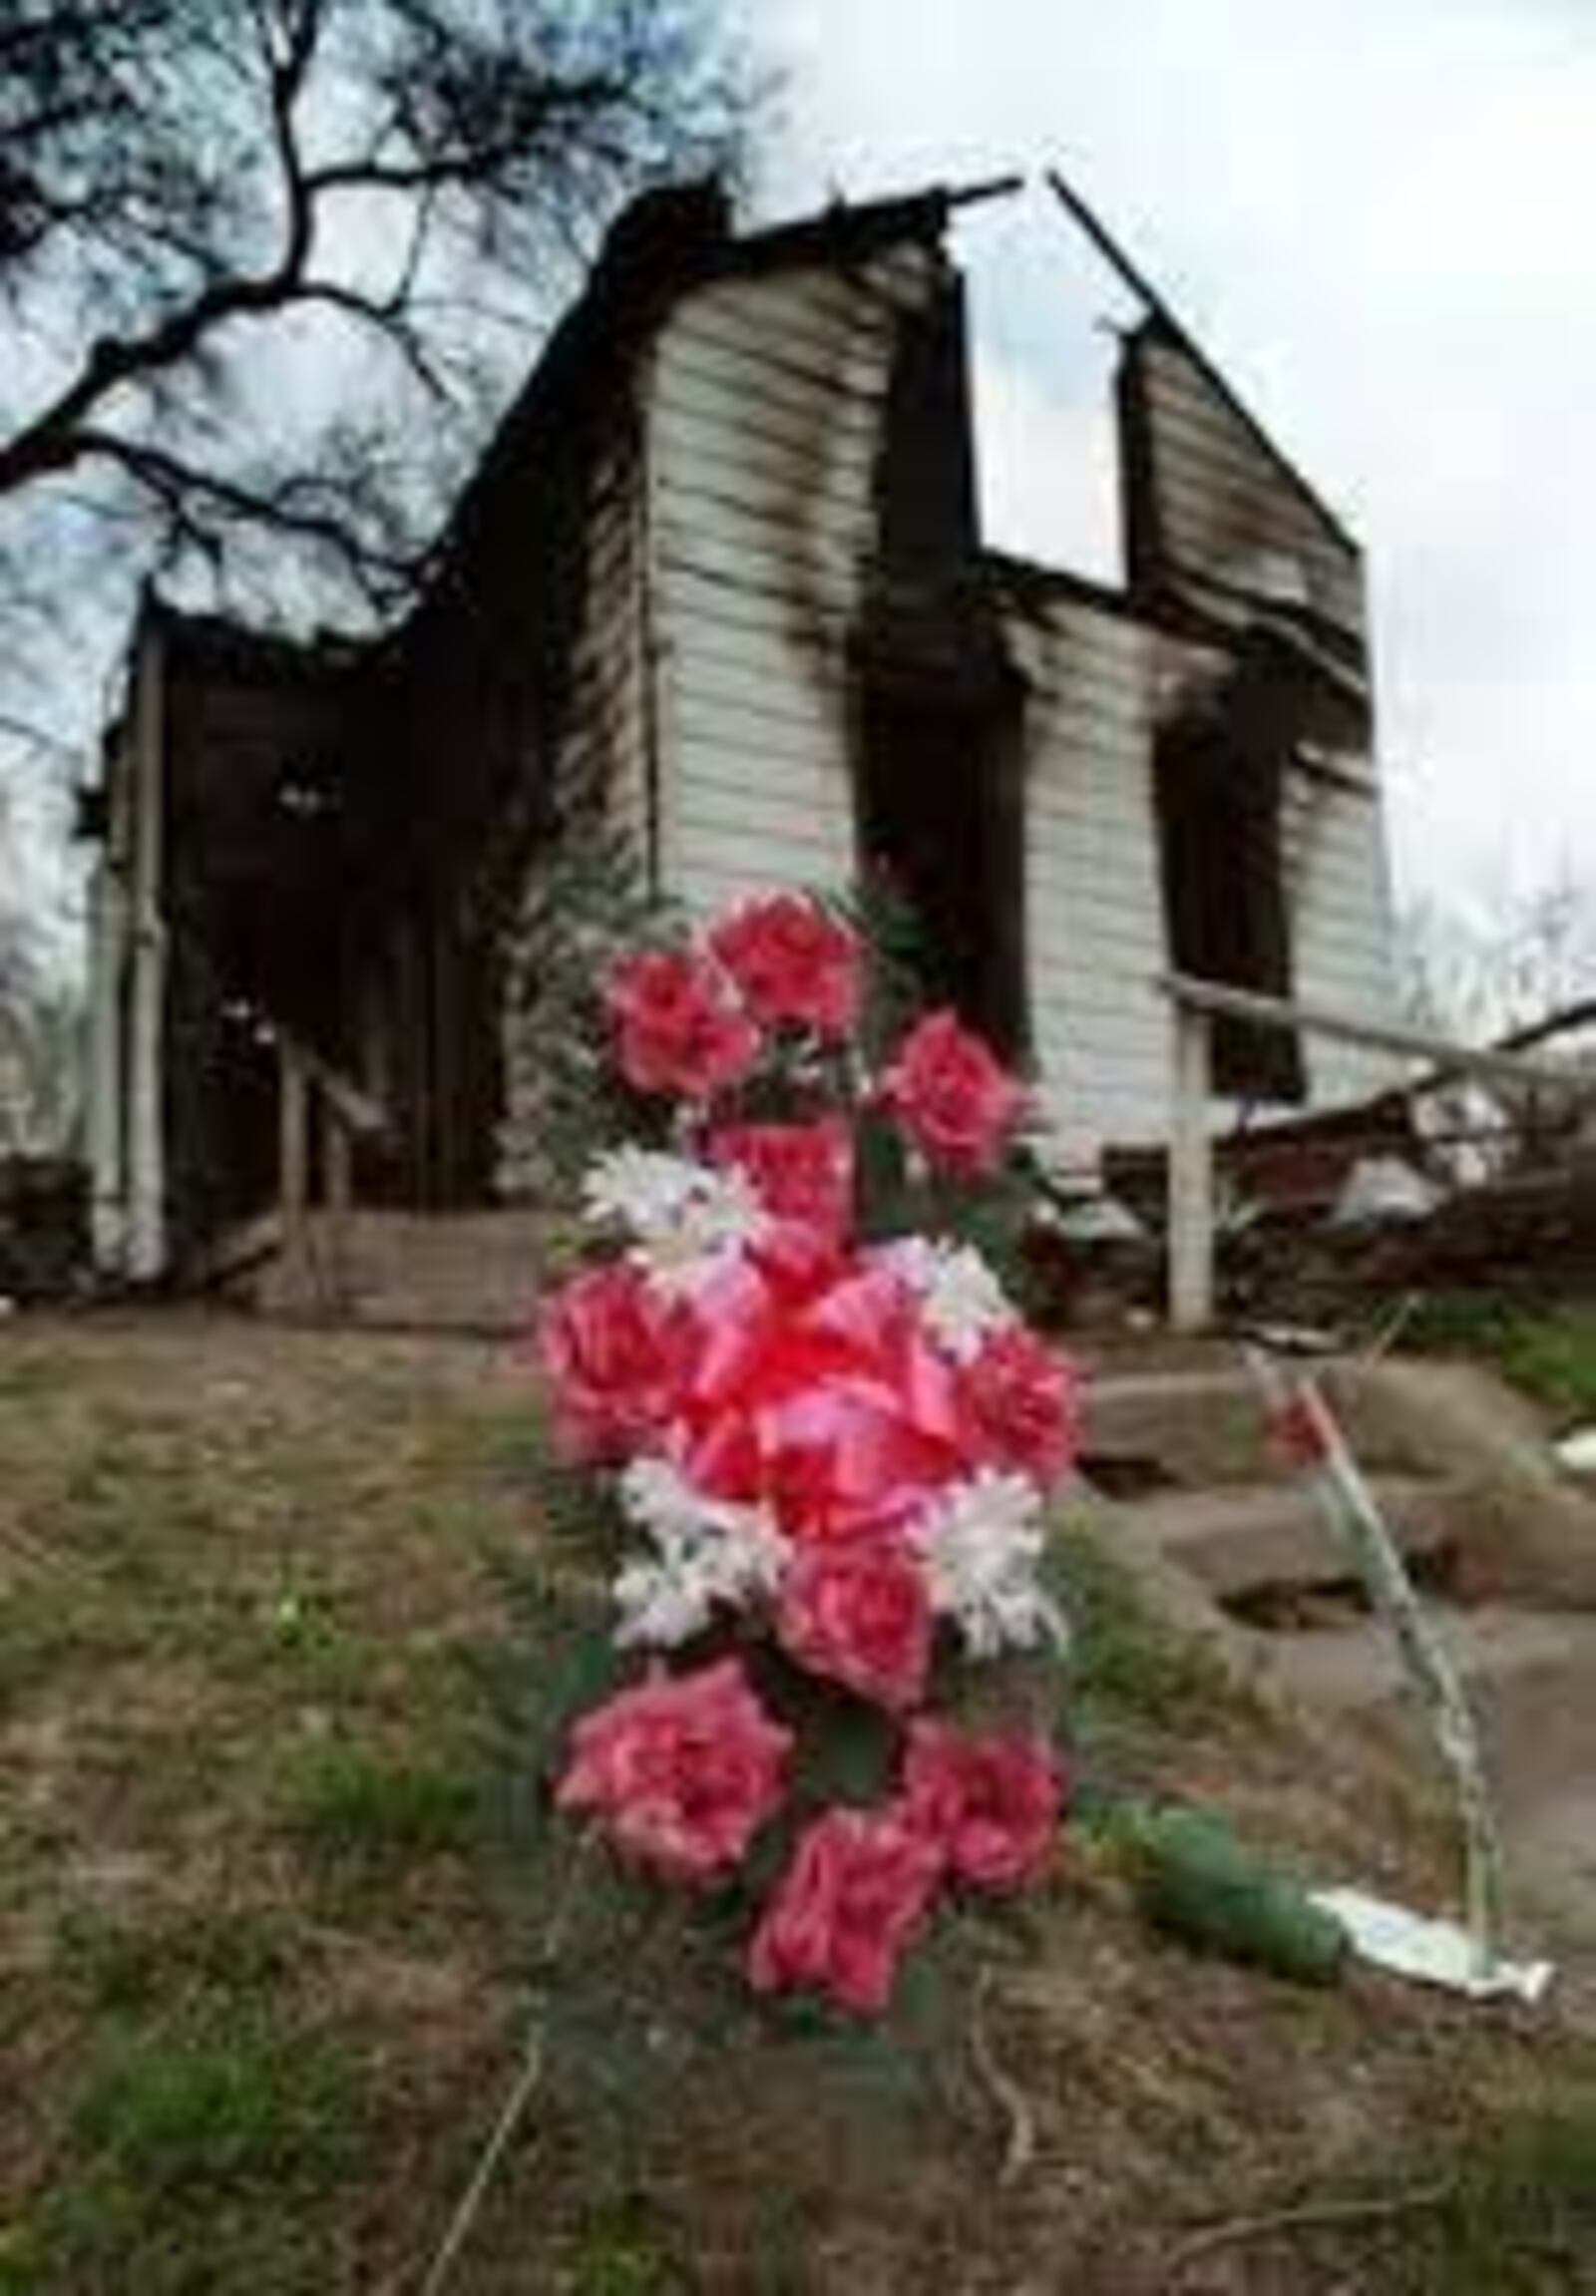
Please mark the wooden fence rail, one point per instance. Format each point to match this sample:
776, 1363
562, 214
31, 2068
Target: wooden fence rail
1196, 1004
349, 1114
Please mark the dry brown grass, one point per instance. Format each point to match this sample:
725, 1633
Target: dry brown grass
260, 1951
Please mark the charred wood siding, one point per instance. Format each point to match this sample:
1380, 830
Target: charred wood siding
1218, 519
1209, 502
1096, 924
767, 408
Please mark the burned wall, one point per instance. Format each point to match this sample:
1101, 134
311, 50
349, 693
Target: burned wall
1225, 537
1212, 512
768, 407
834, 686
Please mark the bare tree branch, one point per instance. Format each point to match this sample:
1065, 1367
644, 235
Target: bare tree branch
404, 175
189, 496
31, 736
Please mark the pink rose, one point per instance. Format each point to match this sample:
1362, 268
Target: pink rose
683, 1770
859, 1885
679, 1029
792, 962
860, 1613
820, 1396
958, 1106
1022, 1408
803, 1173
991, 1804
618, 1356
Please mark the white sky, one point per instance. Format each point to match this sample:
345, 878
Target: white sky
1379, 216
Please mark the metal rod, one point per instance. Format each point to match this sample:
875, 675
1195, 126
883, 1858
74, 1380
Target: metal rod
1141, 286
991, 187
1113, 253
1298, 1406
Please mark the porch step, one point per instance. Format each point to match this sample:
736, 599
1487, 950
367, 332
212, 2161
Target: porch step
1200, 1424
1242, 1539
1175, 1429
1228, 1543
1530, 1675
408, 1271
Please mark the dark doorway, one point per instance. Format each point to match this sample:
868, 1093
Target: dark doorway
1220, 767
942, 813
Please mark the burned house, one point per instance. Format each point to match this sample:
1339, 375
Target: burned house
724, 562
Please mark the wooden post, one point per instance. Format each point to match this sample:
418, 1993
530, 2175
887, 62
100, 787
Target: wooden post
105, 1126
293, 1153
1191, 1178
340, 1176
146, 1143
340, 1180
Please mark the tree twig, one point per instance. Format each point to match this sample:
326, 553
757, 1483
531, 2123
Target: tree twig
1307, 2215
517, 2098
1020, 2146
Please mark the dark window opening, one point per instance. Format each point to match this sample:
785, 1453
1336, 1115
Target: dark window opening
940, 806
939, 702
1220, 772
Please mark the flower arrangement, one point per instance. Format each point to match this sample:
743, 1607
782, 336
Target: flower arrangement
833, 1437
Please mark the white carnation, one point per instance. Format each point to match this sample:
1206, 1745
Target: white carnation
641, 1188
661, 1605
961, 1299
708, 1555
686, 1219
983, 1544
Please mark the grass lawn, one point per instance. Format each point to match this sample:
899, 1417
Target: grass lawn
1548, 1350
283, 1624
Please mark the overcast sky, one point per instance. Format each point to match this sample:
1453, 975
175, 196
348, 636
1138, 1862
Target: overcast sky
1379, 215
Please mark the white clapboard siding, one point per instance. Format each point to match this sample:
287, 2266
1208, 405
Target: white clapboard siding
712, 367
893, 280
1344, 941
753, 632
827, 518
822, 580
838, 353
765, 412
1094, 913
720, 739
695, 434
692, 394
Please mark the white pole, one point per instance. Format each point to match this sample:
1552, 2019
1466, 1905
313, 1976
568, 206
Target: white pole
1311, 1431
1191, 1177
103, 1111
147, 1238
